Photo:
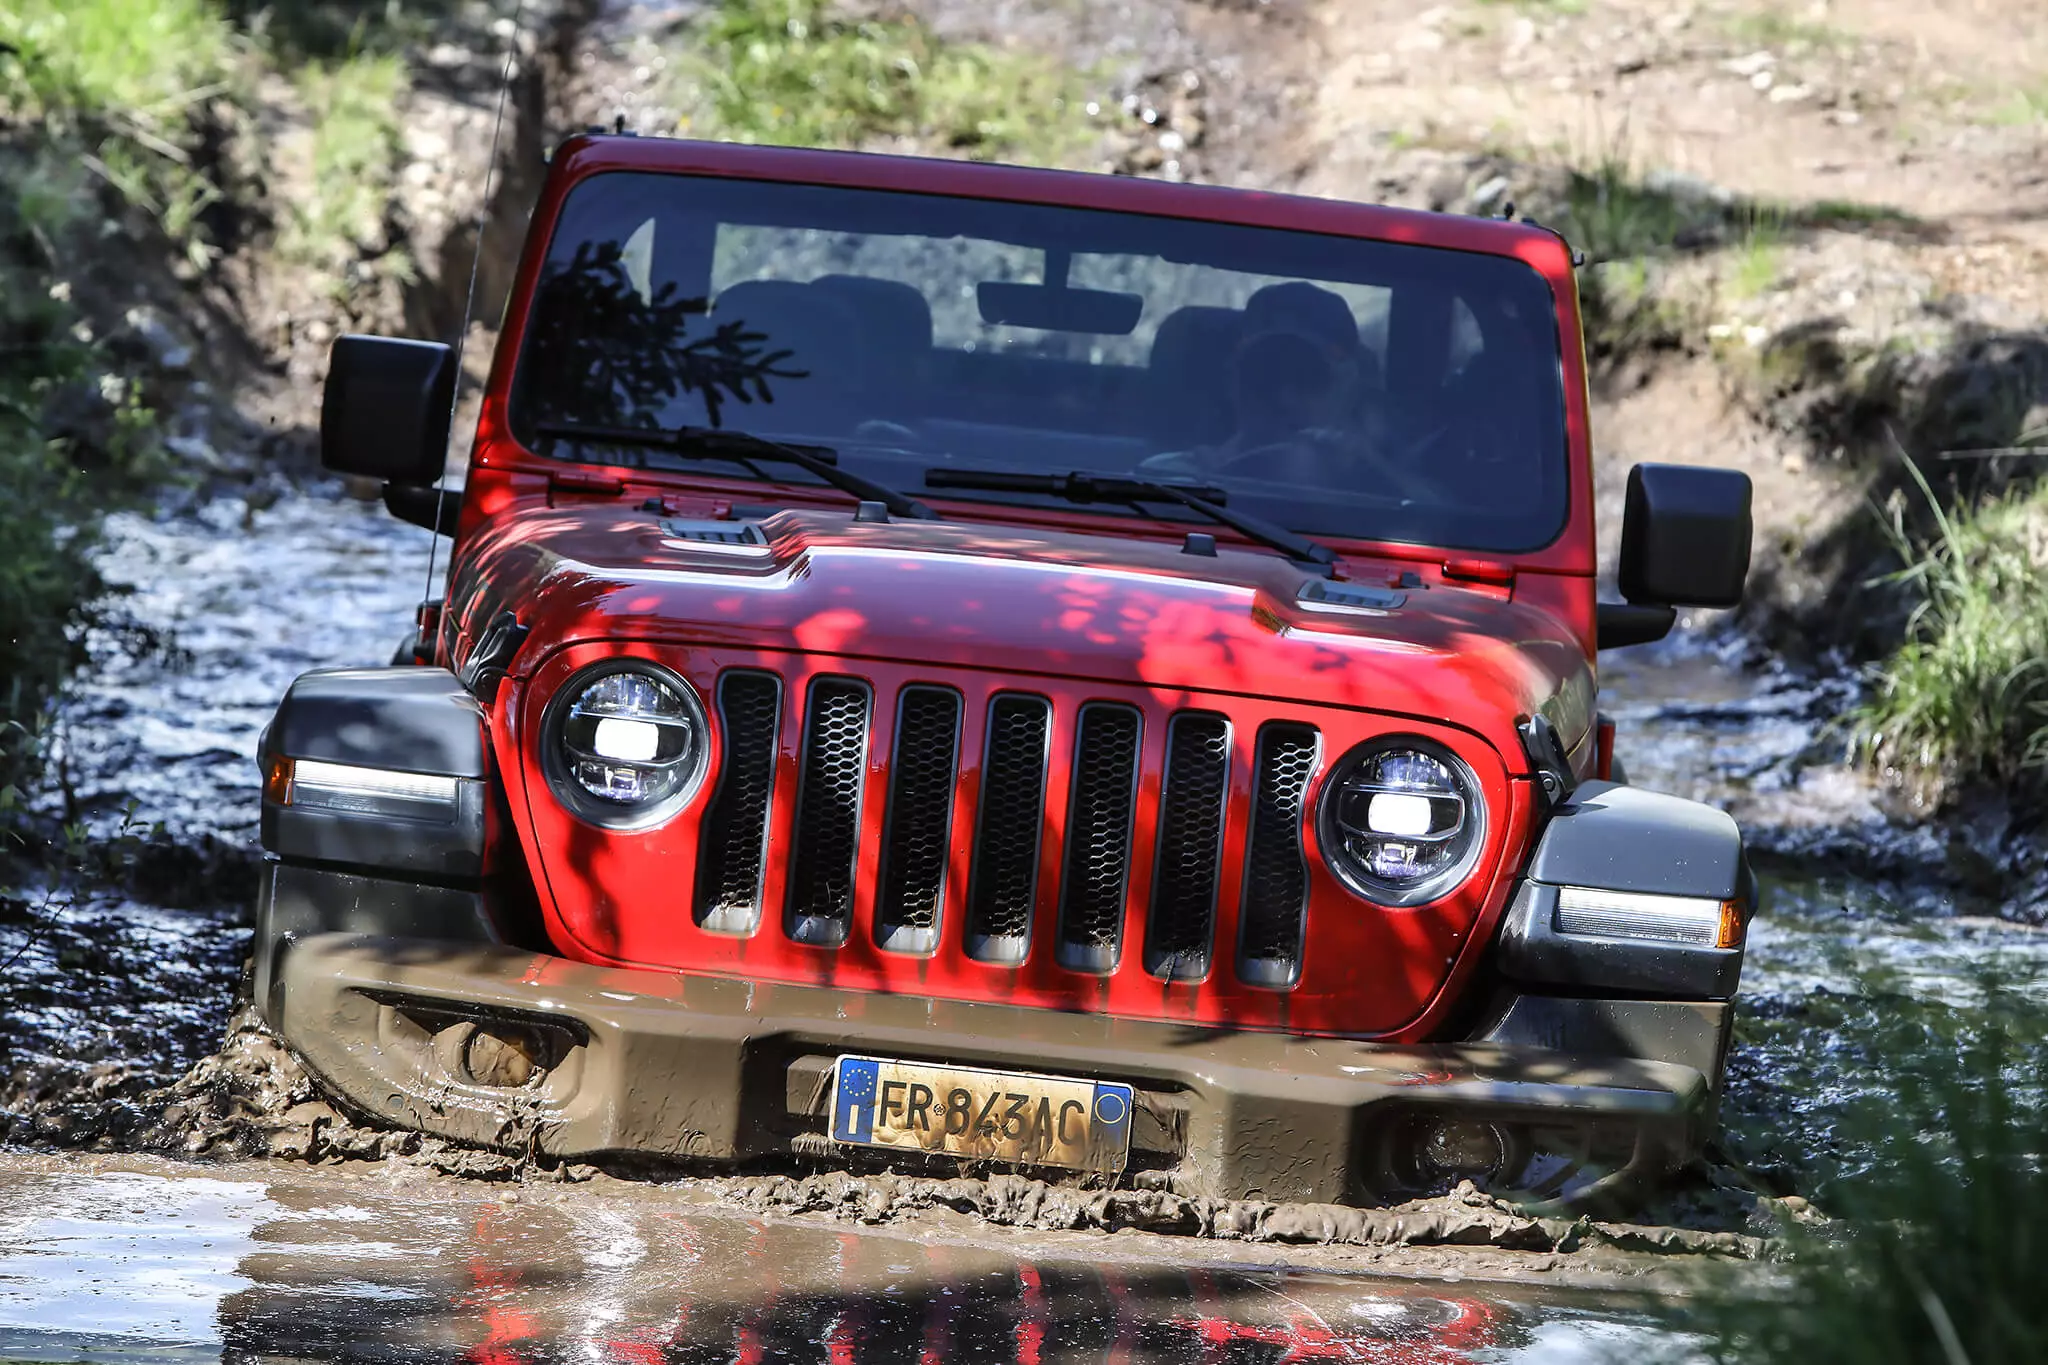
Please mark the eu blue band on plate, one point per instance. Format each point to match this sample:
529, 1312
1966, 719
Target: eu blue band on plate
853, 1103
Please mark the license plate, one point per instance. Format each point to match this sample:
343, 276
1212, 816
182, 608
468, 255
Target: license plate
991, 1115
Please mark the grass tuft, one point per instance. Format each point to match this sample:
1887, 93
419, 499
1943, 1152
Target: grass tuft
1965, 699
1940, 1243
1759, 255
800, 73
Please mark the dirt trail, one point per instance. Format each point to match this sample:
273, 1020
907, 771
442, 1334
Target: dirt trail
1938, 111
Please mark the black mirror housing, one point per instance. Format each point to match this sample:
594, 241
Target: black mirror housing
386, 408
1685, 536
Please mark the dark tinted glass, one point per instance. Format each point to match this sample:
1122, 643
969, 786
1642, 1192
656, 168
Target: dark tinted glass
1339, 386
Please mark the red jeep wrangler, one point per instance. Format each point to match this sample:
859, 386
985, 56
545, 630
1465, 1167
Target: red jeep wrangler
974, 664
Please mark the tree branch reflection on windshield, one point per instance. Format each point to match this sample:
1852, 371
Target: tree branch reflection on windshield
615, 355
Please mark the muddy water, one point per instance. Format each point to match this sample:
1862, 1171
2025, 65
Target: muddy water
242, 1263
229, 603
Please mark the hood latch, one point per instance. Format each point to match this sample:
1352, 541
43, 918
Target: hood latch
1549, 761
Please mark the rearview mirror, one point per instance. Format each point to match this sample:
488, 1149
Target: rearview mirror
1054, 308
385, 411
1685, 536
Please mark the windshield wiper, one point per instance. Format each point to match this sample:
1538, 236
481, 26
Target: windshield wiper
1084, 487
719, 443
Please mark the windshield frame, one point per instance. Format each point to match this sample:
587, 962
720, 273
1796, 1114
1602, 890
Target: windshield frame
1568, 550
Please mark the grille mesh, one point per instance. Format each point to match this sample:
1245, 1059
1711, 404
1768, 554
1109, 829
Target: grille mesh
1184, 881
920, 819
1099, 836
827, 844
1275, 873
1005, 877
735, 842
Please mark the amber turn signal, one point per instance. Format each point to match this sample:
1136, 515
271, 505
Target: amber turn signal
277, 781
1732, 928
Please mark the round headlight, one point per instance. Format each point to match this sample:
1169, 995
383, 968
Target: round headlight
624, 744
1401, 821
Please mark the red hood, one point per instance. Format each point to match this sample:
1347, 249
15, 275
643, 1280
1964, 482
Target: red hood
1016, 601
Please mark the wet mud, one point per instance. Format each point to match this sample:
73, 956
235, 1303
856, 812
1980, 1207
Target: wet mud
135, 1259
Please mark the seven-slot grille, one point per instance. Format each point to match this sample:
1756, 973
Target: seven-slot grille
1179, 875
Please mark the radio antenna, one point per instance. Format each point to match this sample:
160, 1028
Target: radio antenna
476, 256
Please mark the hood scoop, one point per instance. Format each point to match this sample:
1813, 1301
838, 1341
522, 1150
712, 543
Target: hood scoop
743, 537
1322, 594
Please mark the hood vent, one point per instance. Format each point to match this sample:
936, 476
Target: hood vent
1322, 594
739, 535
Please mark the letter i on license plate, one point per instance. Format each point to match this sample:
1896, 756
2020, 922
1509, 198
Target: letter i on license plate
990, 1115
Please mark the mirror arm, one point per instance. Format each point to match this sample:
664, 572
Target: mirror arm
434, 509
1617, 624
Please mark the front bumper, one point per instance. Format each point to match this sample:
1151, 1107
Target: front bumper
622, 1061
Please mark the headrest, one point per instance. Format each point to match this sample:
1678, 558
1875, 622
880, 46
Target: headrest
1298, 306
892, 313
819, 331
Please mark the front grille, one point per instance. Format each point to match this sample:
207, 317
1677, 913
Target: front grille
1185, 871
1098, 866
735, 844
1003, 885
1275, 906
825, 848
917, 841
1192, 803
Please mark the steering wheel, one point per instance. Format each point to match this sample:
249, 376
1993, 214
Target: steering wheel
883, 432
1461, 441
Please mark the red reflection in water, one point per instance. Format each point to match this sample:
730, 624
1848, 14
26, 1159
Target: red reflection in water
494, 1280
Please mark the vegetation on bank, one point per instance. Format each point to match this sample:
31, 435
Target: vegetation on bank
1964, 700
1940, 1236
130, 125
808, 73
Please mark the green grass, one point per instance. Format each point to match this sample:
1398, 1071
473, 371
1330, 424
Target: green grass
353, 105
1941, 1238
1965, 699
1610, 215
118, 81
1758, 251
1773, 27
2023, 107
798, 72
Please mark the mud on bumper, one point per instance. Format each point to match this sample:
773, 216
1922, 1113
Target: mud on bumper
508, 1048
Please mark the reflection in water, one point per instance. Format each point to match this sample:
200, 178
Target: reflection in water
326, 1266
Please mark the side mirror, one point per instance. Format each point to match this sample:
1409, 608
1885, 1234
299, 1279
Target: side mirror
385, 411
1685, 541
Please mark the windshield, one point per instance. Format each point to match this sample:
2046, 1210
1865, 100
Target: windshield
1336, 386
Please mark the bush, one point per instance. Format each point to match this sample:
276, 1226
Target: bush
1965, 699
45, 575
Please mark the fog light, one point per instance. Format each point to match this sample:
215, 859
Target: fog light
502, 1056
1467, 1149
1696, 920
